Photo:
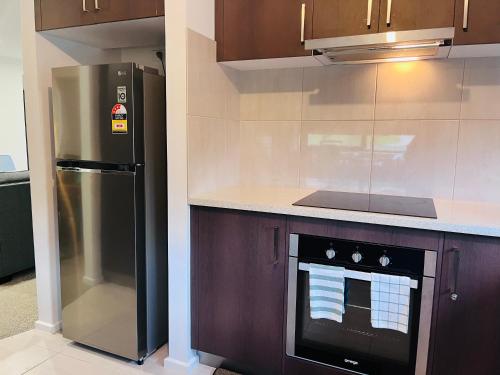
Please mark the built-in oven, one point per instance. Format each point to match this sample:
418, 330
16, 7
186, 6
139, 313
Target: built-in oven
354, 344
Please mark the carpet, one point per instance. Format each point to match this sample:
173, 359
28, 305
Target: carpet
18, 305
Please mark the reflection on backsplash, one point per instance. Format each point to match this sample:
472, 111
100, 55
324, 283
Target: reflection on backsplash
427, 129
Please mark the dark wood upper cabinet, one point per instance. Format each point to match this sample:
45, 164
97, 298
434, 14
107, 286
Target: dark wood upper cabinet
415, 14
120, 10
160, 7
260, 29
468, 339
238, 269
57, 14
479, 24
333, 18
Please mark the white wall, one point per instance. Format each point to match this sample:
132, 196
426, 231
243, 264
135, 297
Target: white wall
201, 17
12, 129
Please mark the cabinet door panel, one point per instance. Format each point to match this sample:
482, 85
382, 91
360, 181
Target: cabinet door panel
467, 340
55, 14
414, 15
240, 276
160, 7
120, 10
333, 18
260, 29
483, 22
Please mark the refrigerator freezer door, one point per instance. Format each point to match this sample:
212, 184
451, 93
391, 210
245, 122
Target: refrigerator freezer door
98, 251
98, 113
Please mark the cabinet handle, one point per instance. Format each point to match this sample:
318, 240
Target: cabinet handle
456, 266
84, 6
303, 23
276, 245
369, 15
389, 10
465, 24
96, 5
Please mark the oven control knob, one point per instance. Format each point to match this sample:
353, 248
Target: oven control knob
384, 260
330, 253
357, 257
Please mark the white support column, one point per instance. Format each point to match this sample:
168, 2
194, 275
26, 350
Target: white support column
181, 356
42, 182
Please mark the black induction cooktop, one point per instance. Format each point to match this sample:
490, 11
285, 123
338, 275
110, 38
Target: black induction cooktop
382, 204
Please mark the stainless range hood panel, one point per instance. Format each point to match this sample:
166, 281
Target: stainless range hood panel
389, 46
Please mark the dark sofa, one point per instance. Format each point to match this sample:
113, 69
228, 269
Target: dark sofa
16, 228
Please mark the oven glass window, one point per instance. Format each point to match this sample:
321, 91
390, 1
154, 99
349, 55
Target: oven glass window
354, 343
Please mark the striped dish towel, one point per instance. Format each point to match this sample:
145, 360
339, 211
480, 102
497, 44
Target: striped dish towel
326, 292
390, 302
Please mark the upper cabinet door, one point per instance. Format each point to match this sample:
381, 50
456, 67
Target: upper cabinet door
477, 23
399, 15
120, 10
333, 18
56, 14
260, 29
467, 340
160, 7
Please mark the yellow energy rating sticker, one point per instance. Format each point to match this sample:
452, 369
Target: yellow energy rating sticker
119, 119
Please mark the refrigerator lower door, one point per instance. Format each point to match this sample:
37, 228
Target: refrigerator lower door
101, 261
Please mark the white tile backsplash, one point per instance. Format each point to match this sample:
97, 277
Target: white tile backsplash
414, 158
274, 94
481, 98
270, 153
339, 92
478, 161
336, 155
419, 90
415, 128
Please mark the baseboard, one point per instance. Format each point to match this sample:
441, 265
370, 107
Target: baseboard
181, 367
48, 327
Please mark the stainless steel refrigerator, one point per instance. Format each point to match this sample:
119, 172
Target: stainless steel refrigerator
110, 149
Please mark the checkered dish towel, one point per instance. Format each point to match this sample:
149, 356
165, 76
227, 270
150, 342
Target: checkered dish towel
390, 302
326, 292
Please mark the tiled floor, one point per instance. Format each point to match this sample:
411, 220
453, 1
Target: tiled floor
41, 353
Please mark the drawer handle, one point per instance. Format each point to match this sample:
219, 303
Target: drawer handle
276, 245
465, 24
369, 14
389, 11
96, 5
456, 267
84, 5
303, 23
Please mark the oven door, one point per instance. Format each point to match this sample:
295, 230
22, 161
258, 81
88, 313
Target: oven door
354, 344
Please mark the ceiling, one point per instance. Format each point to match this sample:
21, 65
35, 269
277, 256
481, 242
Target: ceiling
10, 29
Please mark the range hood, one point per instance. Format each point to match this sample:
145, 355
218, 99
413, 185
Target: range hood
383, 47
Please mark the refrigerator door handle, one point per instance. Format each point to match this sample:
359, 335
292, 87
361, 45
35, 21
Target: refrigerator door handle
76, 169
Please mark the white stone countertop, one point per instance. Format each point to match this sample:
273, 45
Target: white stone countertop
476, 218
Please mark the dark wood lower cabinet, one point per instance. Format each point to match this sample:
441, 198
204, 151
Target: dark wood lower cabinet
239, 283
239, 289
468, 328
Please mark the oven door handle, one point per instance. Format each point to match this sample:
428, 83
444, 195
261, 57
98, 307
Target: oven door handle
357, 275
